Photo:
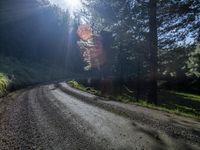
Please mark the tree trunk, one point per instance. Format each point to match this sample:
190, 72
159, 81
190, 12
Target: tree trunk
153, 43
138, 77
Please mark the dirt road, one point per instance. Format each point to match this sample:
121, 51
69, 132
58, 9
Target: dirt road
45, 117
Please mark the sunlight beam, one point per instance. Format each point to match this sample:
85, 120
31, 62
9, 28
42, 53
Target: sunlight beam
73, 4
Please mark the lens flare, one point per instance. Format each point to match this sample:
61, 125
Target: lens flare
91, 47
85, 32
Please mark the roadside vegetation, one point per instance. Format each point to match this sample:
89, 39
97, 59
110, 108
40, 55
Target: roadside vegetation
137, 52
24, 73
183, 104
81, 87
4, 83
33, 49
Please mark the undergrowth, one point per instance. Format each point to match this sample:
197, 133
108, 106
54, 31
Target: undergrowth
4, 83
81, 87
183, 104
25, 72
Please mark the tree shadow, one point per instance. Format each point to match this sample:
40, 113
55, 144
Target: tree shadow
184, 103
160, 143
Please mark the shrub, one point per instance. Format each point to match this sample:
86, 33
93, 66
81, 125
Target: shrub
81, 87
4, 83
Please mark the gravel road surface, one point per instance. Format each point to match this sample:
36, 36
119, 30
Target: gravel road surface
46, 117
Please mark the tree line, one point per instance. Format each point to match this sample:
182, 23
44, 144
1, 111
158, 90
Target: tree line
155, 42
149, 44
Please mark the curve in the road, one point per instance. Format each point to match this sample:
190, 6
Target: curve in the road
48, 118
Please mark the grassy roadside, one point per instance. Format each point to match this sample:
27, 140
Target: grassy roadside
4, 83
183, 104
81, 87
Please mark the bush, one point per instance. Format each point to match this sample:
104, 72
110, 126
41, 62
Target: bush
76, 85
4, 83
81, 87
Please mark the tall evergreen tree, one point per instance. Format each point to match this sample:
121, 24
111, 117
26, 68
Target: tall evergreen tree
153, 46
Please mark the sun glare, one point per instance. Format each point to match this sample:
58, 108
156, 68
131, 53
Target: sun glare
73, 4
70, 5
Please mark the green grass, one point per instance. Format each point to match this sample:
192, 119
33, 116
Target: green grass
192, 97
79, 86
186, 104
4, 83
183, 104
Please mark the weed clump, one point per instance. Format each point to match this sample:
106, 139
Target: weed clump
4, 83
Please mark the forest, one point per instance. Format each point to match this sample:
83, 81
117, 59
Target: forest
141, 51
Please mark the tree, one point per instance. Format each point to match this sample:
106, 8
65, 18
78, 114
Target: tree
178, 21
193, 63
153, 46
34, 31
155, 34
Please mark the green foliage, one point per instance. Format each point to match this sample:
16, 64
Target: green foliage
170, 66
41, 37
76, 85
128, 21
4, 83
193, 64
173, 102
183, 104
81, 87
24, 72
